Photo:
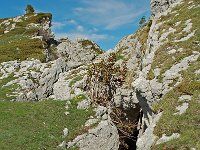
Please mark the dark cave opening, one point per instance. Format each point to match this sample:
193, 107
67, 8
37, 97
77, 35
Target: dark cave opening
130, 142
128, 130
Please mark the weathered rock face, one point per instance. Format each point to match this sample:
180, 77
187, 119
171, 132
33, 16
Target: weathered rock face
49, 77
103, 137
79, 51
70, 83
39, 80
159, 6
35, 79
45, 30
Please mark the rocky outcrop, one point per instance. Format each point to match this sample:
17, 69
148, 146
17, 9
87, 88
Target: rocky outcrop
70, 83
49, 77
160, 6
35, 79
147, 139
45, 30
78, 51
38, 80
42, 80
103, 137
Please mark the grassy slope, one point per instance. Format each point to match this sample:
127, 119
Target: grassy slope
13, 45
188, 124
164, 60
39, 125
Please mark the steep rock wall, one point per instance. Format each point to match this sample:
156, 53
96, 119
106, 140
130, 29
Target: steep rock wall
150, 90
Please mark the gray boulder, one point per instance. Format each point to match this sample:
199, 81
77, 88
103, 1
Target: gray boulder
49, 77
103, 137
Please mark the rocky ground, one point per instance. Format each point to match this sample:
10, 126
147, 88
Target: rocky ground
144, 94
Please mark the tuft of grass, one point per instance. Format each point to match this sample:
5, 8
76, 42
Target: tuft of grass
78, 98
150, 75
118, 57
74, 80
189, 87
73, 148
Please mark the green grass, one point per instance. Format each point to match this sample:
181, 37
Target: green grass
78, 118
19, 49
188, 124
120, 57
7, 90
142, 35
38, 125
31, 125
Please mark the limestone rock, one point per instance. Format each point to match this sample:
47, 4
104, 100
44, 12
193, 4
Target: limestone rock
65, 132
62, 145
165, 138
85, 104
103, 137
90, 122
125, 97
147, 139
49, 77
182, 109
185, 98
62, 90
100, 111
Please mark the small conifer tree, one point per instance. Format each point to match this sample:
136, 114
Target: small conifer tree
142, 21
29, 9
